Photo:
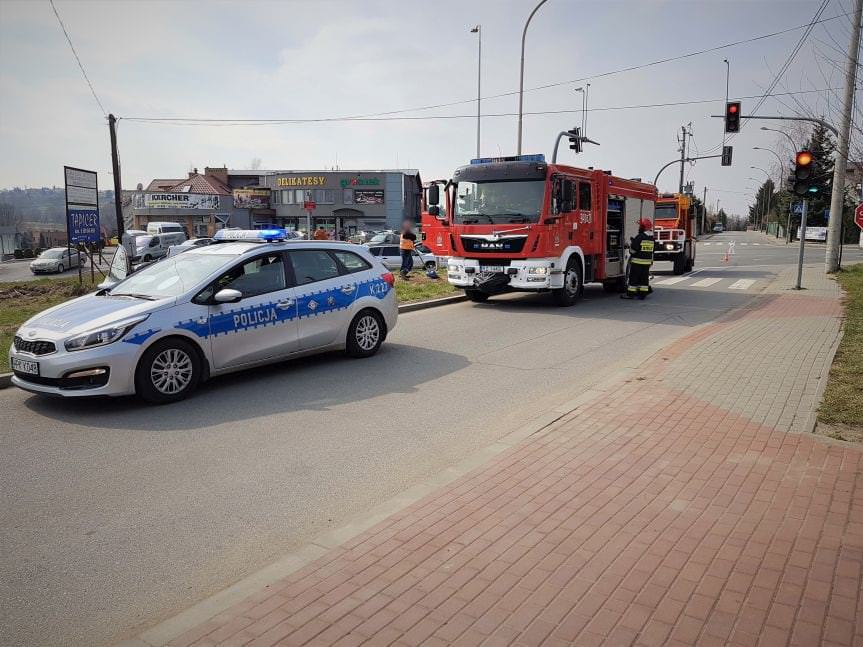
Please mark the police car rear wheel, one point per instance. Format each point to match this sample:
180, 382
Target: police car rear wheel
168, 371
365, 334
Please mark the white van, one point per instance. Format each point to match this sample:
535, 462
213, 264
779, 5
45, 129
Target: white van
166, 228
154, 246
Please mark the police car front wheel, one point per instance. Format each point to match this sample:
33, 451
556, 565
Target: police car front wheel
168, 371
365, 334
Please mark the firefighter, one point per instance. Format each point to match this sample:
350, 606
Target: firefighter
640, 260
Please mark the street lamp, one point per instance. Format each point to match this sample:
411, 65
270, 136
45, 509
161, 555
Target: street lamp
583, 106
521, 74
478, 31
782, 132
764, 212
781, 176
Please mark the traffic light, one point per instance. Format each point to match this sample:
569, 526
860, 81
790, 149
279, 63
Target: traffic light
575, 139
804, 174
726, 155
732, 117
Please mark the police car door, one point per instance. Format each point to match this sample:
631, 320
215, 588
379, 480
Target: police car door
325, 297
263, 324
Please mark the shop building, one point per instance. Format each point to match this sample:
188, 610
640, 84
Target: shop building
341, 202
344, 202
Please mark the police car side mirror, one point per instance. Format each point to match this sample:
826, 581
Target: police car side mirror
227, 295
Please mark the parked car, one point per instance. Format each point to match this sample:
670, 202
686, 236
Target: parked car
718, 229
254, 298
391, 256
166, 228
55, 260
149, 248
186, 245
385, 238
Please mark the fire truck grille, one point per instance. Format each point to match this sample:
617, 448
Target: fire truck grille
483, 246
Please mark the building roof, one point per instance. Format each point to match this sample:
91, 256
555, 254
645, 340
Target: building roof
161, 185
403, 171
198, 183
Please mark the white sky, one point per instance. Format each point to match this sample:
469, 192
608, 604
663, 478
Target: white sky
307, 59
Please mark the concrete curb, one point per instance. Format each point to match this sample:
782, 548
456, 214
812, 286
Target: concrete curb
5, 380
433, 303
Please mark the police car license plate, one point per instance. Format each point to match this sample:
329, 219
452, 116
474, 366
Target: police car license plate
492, 268
25, 366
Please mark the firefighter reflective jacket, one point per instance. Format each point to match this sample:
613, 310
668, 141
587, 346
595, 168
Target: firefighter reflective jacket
641, 249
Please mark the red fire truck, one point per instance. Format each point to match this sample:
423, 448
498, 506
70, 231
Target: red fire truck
673, 229
434, 230
519, 223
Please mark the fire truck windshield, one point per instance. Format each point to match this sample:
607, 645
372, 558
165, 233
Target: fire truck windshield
515, 201
665, 212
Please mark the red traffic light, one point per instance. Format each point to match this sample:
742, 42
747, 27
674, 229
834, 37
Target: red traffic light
803, 158
732, 108
732, 117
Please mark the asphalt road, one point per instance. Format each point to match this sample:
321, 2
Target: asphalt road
116, 515
11, 271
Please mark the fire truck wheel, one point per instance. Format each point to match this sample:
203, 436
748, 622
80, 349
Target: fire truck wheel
690, 262
572, 285
476, 296
680, 263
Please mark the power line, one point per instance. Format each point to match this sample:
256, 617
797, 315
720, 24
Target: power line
622, 70
205, 121
77, 58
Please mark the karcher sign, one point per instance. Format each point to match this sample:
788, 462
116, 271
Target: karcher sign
302, 180
181, 201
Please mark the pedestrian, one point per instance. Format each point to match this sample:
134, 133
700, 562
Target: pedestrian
321, 233
640, 260
406, 245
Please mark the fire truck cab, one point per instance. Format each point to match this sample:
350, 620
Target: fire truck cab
519, 223
673, 229
434, 230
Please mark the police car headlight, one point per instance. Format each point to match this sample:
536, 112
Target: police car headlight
537, 270
103, 336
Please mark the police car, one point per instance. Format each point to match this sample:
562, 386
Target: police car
252, 298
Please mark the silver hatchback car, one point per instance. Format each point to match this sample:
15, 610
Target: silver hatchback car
252, 298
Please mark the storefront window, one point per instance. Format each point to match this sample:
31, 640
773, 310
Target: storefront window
347, 196
277, 197
325, 196
287, 196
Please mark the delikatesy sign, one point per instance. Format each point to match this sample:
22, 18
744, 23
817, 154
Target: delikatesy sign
82, 205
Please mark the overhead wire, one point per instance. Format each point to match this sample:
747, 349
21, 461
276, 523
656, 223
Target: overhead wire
78, 59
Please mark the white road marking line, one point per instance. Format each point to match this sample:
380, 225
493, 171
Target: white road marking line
756, 244
703, 283
706, 243
676, 279
742, 284
744, 244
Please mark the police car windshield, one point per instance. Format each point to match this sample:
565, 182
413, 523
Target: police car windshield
171, 277
498, 202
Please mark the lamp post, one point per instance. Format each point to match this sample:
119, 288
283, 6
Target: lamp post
781, 176
583, 107
794, 146
766, 212
478, 31
521, 74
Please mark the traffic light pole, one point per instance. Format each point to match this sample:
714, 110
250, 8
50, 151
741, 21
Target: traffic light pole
802, 244
681, 162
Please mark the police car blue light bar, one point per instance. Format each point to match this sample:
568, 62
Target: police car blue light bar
539, 157
262, 235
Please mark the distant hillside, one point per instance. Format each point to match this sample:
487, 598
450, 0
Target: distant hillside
46, 206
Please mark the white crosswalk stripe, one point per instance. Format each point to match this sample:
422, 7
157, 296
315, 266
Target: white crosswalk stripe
707, 244
676, 279
704, 283
742, 284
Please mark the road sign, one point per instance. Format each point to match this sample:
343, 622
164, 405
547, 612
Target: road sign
310, 205
796, 208
82, 205
858, 215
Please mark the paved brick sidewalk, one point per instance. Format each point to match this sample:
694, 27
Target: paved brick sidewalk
677, 507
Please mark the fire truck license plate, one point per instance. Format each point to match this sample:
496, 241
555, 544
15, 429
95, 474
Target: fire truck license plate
492, 268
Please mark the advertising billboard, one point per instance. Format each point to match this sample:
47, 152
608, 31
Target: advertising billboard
181, 201
368, 196
252, 198
82, 205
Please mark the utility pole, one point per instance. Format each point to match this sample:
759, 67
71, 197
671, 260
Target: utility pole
115, 165
704, 212
837, 198
682, 158
803, 212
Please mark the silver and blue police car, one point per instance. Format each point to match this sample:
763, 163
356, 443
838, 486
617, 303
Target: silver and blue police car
252, 298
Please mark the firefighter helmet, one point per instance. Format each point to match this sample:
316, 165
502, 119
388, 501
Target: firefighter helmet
646, 223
